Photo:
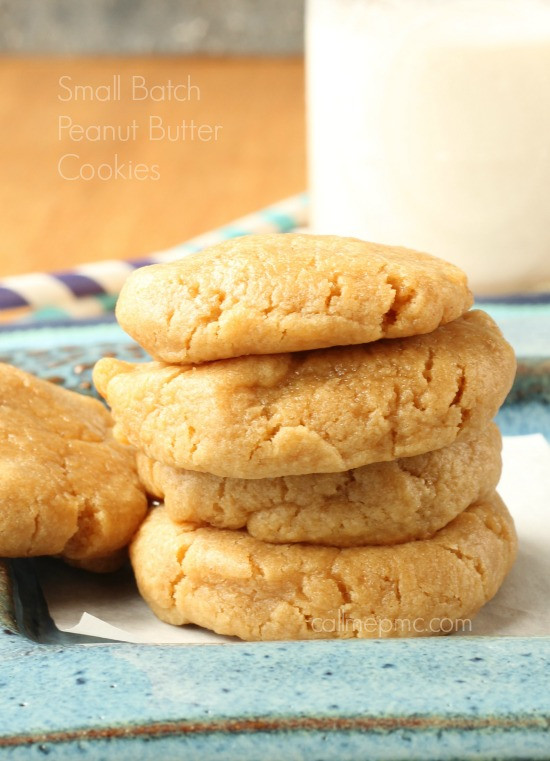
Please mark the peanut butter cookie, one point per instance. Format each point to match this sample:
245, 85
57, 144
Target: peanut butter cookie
234, 584
265, 294
381, 503
322, 411
66, 486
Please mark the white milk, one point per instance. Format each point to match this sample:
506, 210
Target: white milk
429, 127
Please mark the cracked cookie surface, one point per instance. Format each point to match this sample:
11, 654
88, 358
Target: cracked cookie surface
66, 486
322, 411
234, 584
381, 503
265, 294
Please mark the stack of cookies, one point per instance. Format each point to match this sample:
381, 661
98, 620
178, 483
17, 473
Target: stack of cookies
318, 422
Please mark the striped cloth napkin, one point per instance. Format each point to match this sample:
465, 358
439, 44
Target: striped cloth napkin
90, 290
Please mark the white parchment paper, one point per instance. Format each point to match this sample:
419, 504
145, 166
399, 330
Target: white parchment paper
110, 606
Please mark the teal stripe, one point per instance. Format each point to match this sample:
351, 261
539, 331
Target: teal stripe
106, 301
233, 232
525, 326
283, 222
50, 337
497, 310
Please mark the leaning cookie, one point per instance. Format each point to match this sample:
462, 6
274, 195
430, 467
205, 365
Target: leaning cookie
66, 486
234, 584
265, 294
323, 411
382, 503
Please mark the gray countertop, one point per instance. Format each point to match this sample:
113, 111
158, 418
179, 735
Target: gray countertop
141, 27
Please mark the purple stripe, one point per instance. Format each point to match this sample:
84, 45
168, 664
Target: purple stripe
136, 263
11, 299
80, 285
186, 248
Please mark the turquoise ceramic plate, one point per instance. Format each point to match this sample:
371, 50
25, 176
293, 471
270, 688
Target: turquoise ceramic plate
443, 698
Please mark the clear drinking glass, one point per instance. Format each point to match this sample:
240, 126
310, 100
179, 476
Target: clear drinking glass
429, 127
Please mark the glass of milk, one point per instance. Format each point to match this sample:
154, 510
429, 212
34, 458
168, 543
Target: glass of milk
429, 127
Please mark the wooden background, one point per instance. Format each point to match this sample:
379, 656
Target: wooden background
50, 223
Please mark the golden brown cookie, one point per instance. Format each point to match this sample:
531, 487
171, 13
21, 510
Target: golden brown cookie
323, 411
234, 584
66, 486
381, 503
265, 294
